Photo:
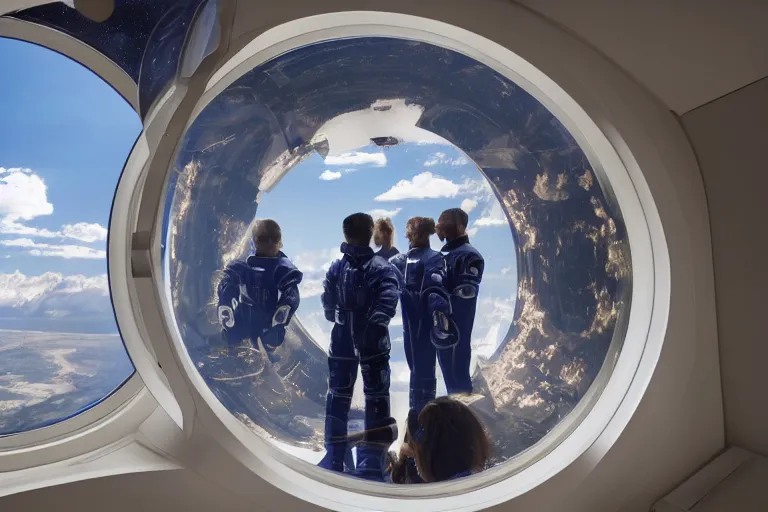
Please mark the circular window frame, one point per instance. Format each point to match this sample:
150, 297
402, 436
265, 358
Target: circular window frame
640, 351
120, 412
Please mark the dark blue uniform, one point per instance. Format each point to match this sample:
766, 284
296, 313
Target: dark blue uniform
465, 272
387, 253
427, 325
257, 299
360, 297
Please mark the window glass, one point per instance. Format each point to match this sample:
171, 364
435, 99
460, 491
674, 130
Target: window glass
397, 129
64, 138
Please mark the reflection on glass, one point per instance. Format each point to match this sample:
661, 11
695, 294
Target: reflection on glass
162, 56
375, 125
65, 137
203, 39
122, 37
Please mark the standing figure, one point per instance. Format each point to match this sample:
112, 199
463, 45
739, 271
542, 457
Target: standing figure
383, 236
258, 297
360, 298
465, 268
426, 310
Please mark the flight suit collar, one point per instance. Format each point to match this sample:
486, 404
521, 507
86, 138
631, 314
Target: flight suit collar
455, 243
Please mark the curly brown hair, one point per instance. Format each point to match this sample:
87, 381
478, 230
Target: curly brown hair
418, 230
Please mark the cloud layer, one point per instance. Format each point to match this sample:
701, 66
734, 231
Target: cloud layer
328, 175
357, 158
60, 251
24, 197
422, 186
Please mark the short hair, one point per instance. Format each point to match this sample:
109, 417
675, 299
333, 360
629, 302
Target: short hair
421, 228
453, 222
267, 236
450, 440
358, 229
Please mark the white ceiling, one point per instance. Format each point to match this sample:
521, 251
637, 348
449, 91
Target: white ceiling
686, 52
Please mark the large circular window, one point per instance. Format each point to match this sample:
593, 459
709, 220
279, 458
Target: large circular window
65, 137
428, 128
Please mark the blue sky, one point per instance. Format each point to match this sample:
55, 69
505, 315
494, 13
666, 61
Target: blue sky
63, 142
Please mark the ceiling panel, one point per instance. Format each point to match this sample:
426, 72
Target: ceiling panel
686, 52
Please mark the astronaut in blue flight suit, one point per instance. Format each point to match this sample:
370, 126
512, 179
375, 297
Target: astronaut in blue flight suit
426, 309
258, 297
360, 298
465, 268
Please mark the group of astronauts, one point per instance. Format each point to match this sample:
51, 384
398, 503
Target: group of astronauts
437, 291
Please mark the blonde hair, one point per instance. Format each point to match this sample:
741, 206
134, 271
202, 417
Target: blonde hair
267, 237
384, 231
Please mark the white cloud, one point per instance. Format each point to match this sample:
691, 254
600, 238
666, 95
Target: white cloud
492, 217
468, 205
441, 158
329, 175
308, 261
23, 195
507, 270
84, 231
423, 186
380, 213
58, 251
357, 158
310, 288
21, 291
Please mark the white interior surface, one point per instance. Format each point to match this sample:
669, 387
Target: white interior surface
679, 424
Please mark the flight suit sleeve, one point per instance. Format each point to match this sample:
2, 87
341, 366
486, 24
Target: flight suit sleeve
328, 298
467, 275
289, 297
444, 332
386, 292
288, 278
228, 293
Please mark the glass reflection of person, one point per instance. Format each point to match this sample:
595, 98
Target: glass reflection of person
360, 298
465, 268
258, 297
426, 310
383, 236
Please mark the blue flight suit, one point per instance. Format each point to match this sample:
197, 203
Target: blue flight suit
427, 324
387, 254
465, 268
257, 299
360, 297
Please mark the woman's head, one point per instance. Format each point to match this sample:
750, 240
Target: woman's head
383, 233
418, 230
267, 237
448, 441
